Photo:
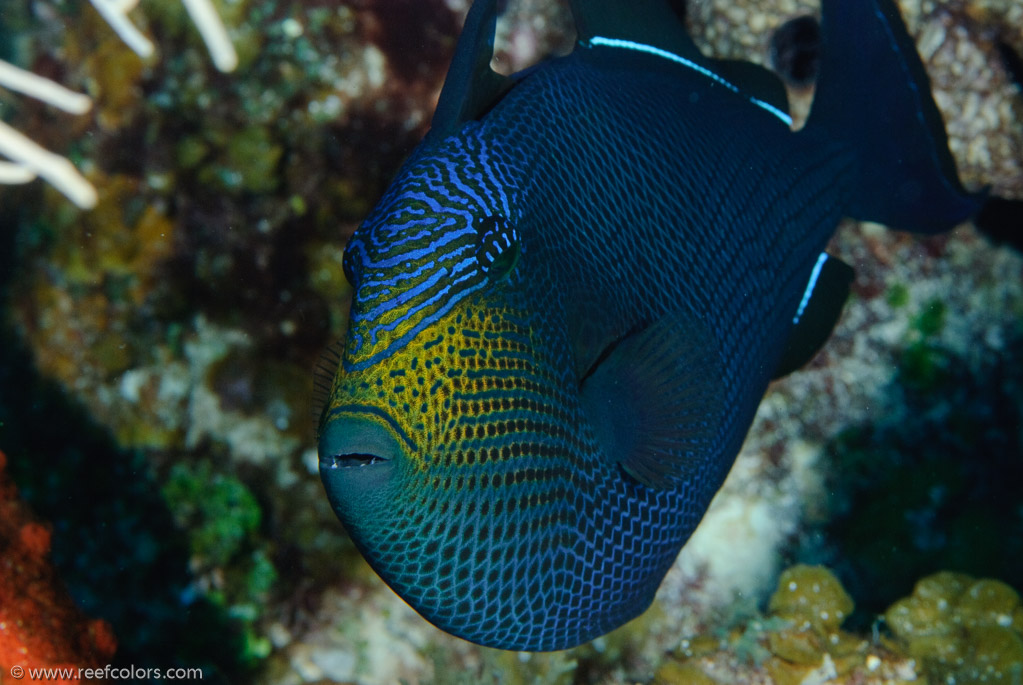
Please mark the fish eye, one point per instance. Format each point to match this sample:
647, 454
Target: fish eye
498, 248
351, 264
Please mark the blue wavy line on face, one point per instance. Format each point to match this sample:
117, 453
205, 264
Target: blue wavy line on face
447, 224
459, 199
401, 299
493, 183
411, 312
422, 280
425, 323
427, 199
441, 198
417, 237
422, 252
485, 166
454, 177
396, 227
405, 297
430, 224
369, 284
377, 295
448, 182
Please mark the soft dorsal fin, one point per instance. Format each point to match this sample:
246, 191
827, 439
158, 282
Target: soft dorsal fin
650, 22
755, 81
651, 26
818, 312
471, 86
655, 400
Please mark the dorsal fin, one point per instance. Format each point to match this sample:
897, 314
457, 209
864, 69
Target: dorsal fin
651, 26
755, 81
650, 22
471, 86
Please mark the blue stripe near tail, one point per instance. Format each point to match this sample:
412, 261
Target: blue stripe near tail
874, 94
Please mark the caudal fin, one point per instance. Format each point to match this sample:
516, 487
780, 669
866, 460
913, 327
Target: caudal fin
873, 93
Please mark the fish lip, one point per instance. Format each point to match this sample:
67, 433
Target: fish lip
355, 444
356, 460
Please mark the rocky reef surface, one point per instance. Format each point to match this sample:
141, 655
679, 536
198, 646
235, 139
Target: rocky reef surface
155, 382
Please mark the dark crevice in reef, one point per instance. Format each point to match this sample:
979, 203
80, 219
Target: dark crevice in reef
114, 542
1012, 61
935, 484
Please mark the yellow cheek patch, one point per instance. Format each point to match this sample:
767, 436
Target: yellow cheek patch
448, 371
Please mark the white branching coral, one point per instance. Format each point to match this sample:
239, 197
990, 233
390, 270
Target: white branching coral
213, 32
202, 13
116, 14
28, 160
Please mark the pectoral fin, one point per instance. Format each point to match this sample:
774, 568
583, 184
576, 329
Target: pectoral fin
654, 400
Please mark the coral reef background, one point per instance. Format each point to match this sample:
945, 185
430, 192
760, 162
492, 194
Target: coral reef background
156, 400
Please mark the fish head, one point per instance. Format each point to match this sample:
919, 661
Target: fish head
443, 444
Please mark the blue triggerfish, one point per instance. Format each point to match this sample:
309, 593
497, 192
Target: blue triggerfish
571, 299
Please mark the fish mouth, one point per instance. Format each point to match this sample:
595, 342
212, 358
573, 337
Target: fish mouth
355, 443
359, 457
354, 461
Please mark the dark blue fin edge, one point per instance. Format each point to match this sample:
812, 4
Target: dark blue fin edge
471, 86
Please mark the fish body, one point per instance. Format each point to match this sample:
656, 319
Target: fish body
570, 301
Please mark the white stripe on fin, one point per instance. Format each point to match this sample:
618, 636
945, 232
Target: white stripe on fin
808, 293
651, 50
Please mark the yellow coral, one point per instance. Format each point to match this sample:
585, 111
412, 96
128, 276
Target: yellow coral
811, 596
962, 630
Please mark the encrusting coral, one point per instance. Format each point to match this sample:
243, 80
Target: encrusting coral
40, 627
961, 629
953, 629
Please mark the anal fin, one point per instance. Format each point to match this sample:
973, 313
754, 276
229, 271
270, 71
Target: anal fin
817, 314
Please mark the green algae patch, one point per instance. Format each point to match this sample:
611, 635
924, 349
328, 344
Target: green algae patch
796, 646
252, 157
897, 296
931, 320
117, 83
961, 630
218, 512
221, 519
930, 610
